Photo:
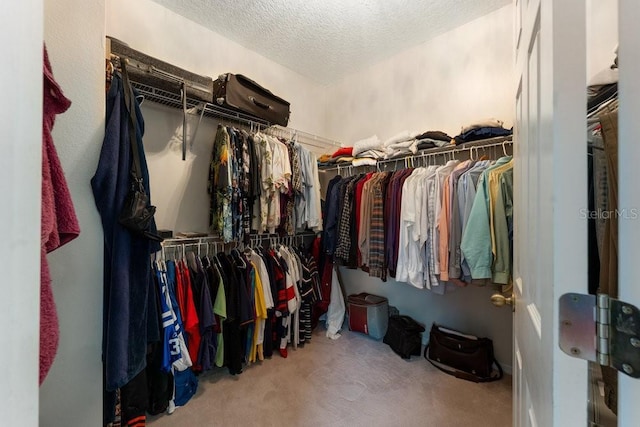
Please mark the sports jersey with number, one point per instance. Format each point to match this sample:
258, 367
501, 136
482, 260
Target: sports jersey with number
174, 349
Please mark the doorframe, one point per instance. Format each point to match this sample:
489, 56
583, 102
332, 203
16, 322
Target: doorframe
628, 194
568, 42
21, 24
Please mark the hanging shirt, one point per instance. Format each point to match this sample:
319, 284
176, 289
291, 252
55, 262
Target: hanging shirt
494, 184
452, 250
175, 352
189, 315
206, 316
423, 241
377, 265
220, 309
358, 213
392, 214
409, 257
346, 217
466, 194
503, 228
476, 239
442, 173
331, 220
445, 221
265, 154
364, 237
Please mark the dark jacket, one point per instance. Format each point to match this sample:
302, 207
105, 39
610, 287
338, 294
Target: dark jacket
127, 270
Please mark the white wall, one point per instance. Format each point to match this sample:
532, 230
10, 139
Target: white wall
443, 84
20, 192
602, 34
72, 393
179, 189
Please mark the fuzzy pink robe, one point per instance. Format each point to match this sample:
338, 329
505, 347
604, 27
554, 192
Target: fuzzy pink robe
59, 223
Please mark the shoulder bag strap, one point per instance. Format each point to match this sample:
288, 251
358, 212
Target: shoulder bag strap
130, 105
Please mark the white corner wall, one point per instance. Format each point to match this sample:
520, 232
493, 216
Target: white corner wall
179, 188
602, 35
461, 76
72, 393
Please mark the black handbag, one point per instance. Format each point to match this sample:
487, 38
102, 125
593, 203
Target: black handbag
404, 336
462, 355
136, 214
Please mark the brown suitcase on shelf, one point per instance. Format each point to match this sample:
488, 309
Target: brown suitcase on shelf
239, 93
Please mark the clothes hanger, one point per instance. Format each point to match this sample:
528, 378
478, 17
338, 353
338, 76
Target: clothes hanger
240, 258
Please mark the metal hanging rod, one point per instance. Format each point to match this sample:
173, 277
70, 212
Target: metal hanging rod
214, 111
174, 100
185, 241
433, 152
318, 141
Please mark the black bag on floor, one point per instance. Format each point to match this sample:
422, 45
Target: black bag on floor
462, 355
404, 336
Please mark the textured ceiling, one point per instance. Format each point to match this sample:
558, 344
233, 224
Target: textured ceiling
327, 39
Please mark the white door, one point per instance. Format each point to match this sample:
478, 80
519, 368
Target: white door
550, 388
550, 238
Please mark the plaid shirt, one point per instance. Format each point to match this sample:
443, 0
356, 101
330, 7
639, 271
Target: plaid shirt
377, 265
364, 235
346, 217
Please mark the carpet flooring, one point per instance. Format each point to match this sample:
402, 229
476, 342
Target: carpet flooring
352, 381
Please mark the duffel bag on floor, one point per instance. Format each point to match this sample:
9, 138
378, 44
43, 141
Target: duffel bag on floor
462, 355
404, 336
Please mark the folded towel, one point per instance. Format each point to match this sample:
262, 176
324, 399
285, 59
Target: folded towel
364, 161
371, 143
405, 147
400, 137
344, 159
375, 154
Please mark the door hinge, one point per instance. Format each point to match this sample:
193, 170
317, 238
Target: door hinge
601, 329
